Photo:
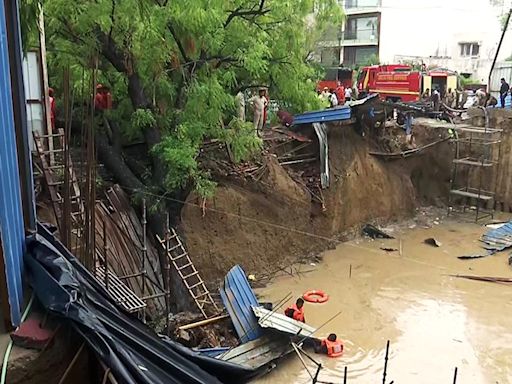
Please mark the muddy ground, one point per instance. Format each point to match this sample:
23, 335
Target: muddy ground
268, 224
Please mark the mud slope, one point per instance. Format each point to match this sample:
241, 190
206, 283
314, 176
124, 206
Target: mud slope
260, 225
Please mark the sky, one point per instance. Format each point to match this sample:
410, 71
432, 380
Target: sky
420, 27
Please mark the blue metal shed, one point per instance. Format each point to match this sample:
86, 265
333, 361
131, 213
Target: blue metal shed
12, 228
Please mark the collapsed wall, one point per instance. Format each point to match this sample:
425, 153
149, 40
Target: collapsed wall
264, 225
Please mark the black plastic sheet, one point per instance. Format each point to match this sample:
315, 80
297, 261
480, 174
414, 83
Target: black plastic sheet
132, 352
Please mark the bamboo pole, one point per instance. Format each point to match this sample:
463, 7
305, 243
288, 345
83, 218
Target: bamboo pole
203, 322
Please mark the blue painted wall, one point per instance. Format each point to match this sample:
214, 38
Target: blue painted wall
12, 232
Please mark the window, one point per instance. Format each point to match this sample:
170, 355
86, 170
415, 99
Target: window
330, 57
362, 28
469, 49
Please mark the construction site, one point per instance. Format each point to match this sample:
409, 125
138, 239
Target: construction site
347, 248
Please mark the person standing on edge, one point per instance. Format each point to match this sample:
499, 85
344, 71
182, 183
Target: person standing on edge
340, 93
296, 311
348, 94
259, 102
436, 99
240, 103
333, 99
503, 91
52, 108
265, 110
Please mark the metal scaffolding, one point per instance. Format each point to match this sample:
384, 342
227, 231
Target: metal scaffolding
476, 158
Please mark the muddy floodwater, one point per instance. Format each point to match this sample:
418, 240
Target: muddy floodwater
435, 322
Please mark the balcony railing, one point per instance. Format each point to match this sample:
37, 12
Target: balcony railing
361, 36
357, 4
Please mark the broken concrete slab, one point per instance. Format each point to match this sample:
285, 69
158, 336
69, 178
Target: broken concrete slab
32, 335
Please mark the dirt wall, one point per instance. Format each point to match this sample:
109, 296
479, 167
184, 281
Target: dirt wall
267, 224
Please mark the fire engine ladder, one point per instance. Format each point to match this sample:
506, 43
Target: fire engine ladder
51, 155
188, 273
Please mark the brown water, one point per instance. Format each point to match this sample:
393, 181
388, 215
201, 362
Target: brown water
435, 322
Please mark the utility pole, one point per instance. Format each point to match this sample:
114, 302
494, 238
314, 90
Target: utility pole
505, 26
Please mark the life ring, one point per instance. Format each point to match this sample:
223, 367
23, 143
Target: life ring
315, 296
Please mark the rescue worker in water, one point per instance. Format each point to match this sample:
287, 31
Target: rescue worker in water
296, 311
331, 346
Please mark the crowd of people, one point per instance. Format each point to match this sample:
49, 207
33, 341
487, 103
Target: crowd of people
333, 97
456, 99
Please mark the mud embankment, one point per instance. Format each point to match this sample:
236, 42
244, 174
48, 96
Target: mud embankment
267, 224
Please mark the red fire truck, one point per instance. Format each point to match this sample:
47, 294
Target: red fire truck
399, 82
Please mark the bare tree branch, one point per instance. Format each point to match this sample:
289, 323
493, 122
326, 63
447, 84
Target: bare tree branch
178, 42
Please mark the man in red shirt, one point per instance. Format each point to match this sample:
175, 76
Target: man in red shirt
103, 98
340, 93
52, 107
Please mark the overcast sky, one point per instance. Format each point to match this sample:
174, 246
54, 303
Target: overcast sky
441, 21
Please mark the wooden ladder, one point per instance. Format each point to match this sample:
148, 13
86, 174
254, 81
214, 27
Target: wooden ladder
53, 166
188, 273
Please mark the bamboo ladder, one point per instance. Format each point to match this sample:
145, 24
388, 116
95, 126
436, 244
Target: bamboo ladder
188, 273
53, 165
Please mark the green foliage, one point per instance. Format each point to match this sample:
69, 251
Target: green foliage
372, 60
141, 120
240, 137
191, 57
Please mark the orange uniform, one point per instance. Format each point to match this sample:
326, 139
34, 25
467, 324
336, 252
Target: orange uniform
334, 348
295, 313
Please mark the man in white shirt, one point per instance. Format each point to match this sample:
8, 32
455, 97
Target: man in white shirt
259, 103
333, 99
348, 94
240, 103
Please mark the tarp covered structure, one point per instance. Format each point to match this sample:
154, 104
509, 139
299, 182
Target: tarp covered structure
126, 346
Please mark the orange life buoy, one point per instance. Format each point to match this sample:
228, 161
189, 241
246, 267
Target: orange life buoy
316, 296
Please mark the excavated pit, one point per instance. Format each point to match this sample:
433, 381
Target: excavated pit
267, 224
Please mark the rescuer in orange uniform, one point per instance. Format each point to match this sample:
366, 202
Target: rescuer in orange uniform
296, 311
331, 346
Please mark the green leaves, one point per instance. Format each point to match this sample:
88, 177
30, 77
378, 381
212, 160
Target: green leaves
191, 57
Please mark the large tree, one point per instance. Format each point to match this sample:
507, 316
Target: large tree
175, 67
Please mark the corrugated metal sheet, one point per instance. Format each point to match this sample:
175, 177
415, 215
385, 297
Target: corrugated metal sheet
498, 239
11, 215
238, 298
321, 133
282, 323
323, 116
258, 353
34, 95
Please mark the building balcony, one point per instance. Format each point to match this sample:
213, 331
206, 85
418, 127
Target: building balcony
360, 7
355, 42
